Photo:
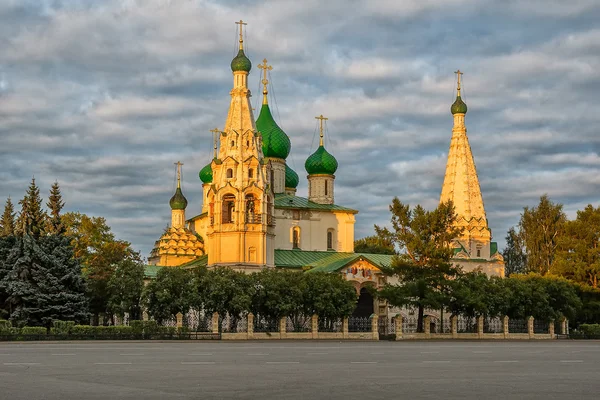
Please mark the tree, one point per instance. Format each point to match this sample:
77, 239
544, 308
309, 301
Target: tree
55, 204
375, 245
225, 291
540, 228
44, 282
277, 294
7, 223
100, 253
578, 254
423, 267
126, 286
172, 292
470, 295
32, 218
329, 296
515, 259
6, 245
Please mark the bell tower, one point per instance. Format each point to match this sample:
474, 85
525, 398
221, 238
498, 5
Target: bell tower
240, 200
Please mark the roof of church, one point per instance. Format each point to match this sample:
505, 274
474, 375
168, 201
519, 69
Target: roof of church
283, 200
275, 142
325, 261
321, 162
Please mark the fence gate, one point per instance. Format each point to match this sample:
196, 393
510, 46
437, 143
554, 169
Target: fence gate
387, 328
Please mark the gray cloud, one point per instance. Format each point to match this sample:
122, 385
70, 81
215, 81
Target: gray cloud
105, 95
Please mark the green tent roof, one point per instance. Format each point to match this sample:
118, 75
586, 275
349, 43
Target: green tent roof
288, 201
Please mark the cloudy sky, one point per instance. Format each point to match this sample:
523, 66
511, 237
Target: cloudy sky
104, 96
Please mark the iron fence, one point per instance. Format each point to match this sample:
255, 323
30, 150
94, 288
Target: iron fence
541, 326
466, 324
265, 325
298, 323
330, 325
517, 326
386, 327
359, 324
409, 324
237, 324
493, 325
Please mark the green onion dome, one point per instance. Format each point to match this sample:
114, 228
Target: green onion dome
275, 142
459, 106
241, 62
178, 201
206, 174
291, 178
321, 162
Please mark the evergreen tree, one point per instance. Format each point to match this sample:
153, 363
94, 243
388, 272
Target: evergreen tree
6, 245
7, 223
423, 268
515, 259
32, 218
125, 287
374, 245
55, 204
44, 282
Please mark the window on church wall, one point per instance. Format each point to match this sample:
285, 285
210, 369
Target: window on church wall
229, 173
325, 188
269, 211
251, 216
228, 209
250, 173
330, 239
296, 238
233, 143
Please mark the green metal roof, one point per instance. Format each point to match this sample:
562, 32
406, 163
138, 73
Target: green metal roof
275, 142
493, 248
150, 271
178, 201
287, 201
197, 217
459, 106
321, 162
325, 261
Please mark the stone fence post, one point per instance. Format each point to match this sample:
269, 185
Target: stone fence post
314, 326
427, 326
454, 323
505, 327
215, 322
250, 328
145, 316
480, 321
530, 330
179, 317
282, 327
398, 322
375, 326
551, 328
563, 326
345, 330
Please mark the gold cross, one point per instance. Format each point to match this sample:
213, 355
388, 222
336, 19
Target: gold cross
241, 24
458, 73
215, 131
321, 118
179, 164
266, 68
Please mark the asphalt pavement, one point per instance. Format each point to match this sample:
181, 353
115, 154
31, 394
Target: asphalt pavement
300, 370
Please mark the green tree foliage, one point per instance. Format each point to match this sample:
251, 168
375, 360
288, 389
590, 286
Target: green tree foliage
540, 228
6, 245
32, 218
125, 287
515, 259
7, 223
224, 291
55, 204
328, 295
470, 295
100, 253
374, 245
277, 293
172, 292
578, 254
423, 269
43, 282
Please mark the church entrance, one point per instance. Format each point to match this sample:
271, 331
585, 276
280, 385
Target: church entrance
364, 307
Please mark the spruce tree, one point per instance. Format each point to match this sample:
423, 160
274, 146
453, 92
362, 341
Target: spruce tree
43, 282
55, 204
7, 223
32, 217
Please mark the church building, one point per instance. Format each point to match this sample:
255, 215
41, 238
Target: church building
252, 218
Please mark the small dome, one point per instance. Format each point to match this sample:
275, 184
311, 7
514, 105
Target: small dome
291, 178
459, 106
275, 142
321, 162
241, 62
178, 201
206, 174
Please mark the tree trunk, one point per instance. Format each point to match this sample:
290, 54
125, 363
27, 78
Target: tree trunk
420, 320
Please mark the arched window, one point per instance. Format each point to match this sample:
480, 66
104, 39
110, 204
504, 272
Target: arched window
250, 173
228, 208
233, 143
325, 188
250, 210
269, 212
247, 143
330, 239
296, 238
229, 173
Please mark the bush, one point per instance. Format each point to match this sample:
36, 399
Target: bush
590, 331
4, 325
145, 329
33, 330
62, 327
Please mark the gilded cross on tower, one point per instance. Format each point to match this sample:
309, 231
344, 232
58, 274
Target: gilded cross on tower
266, 68
215, 132
458, 73
321, 118
241, 24
179, 164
